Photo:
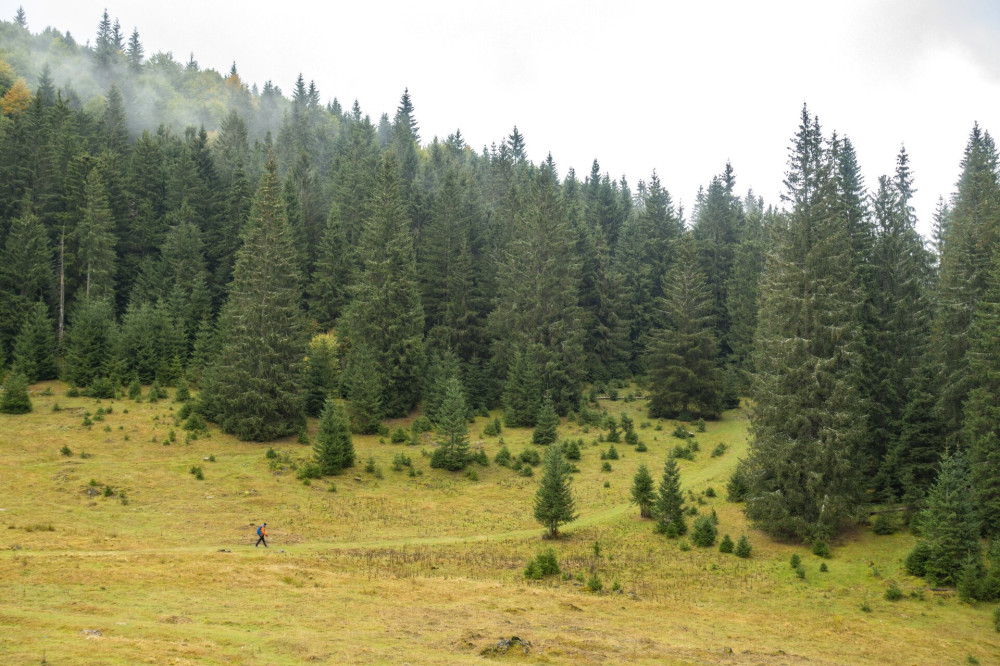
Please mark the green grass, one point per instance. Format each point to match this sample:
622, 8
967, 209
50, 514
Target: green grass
425, 569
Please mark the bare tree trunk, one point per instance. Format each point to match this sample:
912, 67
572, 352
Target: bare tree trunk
62, 283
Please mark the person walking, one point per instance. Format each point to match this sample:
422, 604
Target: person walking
262, 533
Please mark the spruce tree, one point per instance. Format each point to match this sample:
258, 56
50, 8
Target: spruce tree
15, 395
386, 314
554, 503
254, 392
804, 464
669, 507
452, 452
547, 424
643, 493
682, 355
982, 428
522, 395
26, 273
320, 377
950, 527
89, 342
34, 348
95, 241
334, 446
363, 386
969, 239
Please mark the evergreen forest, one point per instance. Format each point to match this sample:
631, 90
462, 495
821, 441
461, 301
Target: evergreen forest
290, 258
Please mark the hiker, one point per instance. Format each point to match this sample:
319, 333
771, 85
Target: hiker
261, 532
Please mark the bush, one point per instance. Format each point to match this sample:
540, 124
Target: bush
526, 471
883, 525
197, 473
821, 549
421, 424
743, 548
703, 533
726, 545
605, 466
544, 564
183, 393
65, 450
572, 450
719, 449
710, 492
502, 457
399, 436
823, 568
195, 422
155, 392
916, 561
641, 447
594, 583
893, 593
493, 428
738, 485
101, 388
135, 390
795, 561
479, 457
271, 454
683, 452
701, 425
399, 461
800, 572
310, 470
612, 453
530, 457
185, 411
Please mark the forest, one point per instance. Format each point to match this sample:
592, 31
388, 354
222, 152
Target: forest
166, 224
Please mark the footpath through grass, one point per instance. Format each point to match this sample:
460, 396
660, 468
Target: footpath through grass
422, 568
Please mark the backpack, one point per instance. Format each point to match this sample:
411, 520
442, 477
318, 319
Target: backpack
259, 529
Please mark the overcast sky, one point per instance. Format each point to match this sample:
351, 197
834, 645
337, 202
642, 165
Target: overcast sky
681, 87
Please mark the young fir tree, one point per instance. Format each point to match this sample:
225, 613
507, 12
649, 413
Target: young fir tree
15, 395
669, 507
547, 424
804, 467
554, 503
386, 314
643, 493
34, 348
950, 527
95, 241
682, 354
25, 273
452, 452
441, 369
255, 382
333, 273
320, 378
334, 446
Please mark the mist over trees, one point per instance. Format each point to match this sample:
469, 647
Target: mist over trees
160, 221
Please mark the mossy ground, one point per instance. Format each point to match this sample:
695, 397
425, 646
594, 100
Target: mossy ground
418, 569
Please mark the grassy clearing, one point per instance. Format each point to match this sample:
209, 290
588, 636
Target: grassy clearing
424, 568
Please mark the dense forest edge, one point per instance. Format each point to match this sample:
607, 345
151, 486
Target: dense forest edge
284, 259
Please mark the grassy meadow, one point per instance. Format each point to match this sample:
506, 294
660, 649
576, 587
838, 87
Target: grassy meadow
118, 554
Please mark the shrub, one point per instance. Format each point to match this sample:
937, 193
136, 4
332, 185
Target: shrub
710, 492
310, 470
185, 411
102, 388
594, 583
525, 471
421, 424
612, 453
719, 449
530, 457
865, 607
195, 422
502, 457
800, 572
641, 447
73, 392
56, 407
197, 472
916, 561
703, 533
684, 545
183, 393
893, 593
493, 428
701, 425
108, 492
743, 547
680, 432
795, 561
883, 525
738, 485
271, 454
605, 466
15, 397
683, 452
472, 475
370, 465
155, 392
572, 450
726, 545
398, 436
135, 390
65, 450
823, 568
399, 461
821, 549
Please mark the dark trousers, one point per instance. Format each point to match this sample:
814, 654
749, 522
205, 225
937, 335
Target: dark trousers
261, 541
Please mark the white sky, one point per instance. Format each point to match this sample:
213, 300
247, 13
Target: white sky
676, 86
